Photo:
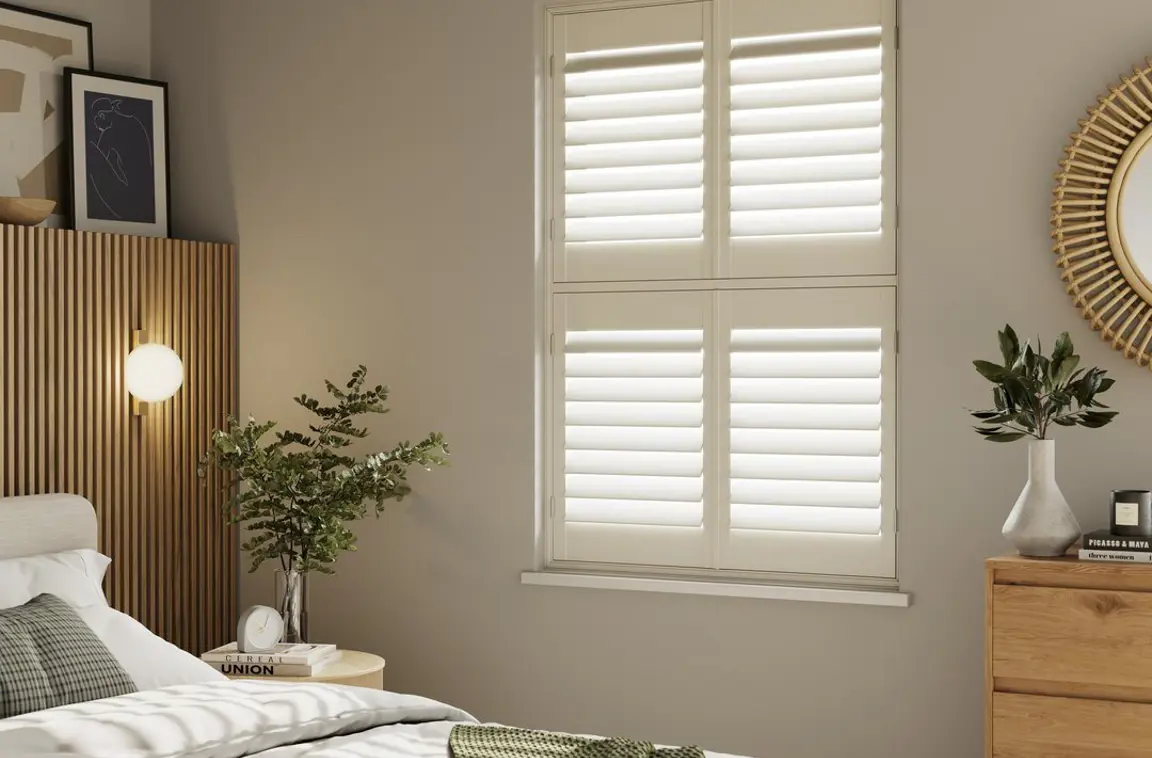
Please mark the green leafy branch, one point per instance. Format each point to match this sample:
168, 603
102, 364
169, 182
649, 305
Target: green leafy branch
301, 491
1033, 392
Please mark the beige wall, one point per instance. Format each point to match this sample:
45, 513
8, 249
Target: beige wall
121, 30
374, 159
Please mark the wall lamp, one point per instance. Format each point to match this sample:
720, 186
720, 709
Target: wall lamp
153, 372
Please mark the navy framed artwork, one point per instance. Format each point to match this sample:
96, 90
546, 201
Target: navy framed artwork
118, 150
35, 50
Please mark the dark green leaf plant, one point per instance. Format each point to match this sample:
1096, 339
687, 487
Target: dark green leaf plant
298, 494
1033, 393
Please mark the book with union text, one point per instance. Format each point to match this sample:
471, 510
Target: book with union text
274, 669
284, 653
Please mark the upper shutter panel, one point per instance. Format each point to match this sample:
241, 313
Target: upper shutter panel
629, 89
810, 410
811, 172
631, 453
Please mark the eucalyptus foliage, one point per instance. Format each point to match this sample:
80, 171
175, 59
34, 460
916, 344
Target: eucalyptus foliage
300, 492
1033, 392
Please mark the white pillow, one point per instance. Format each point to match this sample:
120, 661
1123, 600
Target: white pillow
74, 576
151, 661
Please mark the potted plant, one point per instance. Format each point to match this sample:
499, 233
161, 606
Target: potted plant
297, 494
1033, 394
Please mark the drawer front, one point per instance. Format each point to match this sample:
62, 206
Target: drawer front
1090, 637
1034, 726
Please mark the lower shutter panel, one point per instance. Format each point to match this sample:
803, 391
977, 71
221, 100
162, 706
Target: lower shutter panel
632, 398
809, 402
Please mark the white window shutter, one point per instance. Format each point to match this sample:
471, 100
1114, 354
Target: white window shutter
629, 162
812, 150
810, 407
697, 426
629, 405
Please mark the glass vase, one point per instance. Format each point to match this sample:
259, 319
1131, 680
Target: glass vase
290, 600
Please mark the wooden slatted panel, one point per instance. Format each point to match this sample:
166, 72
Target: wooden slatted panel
70, 302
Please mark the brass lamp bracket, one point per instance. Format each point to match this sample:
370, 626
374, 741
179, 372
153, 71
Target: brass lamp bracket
139, 337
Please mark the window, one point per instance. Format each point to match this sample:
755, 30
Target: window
721, 288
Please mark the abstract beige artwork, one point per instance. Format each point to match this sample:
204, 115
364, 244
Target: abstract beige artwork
35, 48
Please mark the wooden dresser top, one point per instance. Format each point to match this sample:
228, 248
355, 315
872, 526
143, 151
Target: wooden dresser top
1069, 571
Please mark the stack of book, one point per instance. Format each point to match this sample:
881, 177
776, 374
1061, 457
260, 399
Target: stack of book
286, 659
1102, 545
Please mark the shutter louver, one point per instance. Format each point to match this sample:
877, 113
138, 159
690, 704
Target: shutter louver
805, 426
634, 427
811, 119
633, 147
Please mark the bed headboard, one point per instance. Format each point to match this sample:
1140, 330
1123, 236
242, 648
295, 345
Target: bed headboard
70, 304
37, 524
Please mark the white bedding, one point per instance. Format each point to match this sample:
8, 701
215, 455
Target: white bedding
239, 718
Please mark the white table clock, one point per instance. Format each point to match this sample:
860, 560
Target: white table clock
259, 629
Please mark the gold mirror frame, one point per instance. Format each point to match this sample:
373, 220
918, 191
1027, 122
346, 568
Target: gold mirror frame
1110, 291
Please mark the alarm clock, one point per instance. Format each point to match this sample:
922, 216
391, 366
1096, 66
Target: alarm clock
259, 629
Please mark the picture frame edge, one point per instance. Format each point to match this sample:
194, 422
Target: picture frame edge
68, 142
70, 73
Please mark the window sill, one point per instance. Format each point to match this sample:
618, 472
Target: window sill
889, 598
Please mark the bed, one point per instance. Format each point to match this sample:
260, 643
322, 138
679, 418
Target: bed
178, 708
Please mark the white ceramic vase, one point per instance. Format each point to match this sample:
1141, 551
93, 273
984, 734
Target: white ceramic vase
1041, 524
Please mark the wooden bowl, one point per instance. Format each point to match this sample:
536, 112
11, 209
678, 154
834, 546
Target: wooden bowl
25, 211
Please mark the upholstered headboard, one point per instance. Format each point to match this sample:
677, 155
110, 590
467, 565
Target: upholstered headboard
45, 524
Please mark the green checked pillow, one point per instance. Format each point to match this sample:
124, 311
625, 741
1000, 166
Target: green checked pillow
49, 657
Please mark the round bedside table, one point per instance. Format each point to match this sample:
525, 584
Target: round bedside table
351, 667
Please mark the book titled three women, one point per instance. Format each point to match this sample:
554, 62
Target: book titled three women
1115, 556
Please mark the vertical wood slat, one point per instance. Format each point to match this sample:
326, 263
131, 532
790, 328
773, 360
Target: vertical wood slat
70, 301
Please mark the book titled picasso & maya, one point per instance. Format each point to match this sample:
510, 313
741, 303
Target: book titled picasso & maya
1102, 539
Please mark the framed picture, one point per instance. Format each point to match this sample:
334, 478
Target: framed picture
118, 150
35, 49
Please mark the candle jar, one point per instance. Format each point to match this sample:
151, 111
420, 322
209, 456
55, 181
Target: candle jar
1131, 513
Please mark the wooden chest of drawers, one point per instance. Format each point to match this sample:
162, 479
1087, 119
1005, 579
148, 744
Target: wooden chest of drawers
1068, 659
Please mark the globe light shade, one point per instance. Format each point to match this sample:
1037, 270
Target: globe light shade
153, 373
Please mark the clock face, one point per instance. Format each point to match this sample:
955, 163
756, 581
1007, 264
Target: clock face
260, 628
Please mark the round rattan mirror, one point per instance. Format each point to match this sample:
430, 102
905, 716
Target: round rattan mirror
1102, 214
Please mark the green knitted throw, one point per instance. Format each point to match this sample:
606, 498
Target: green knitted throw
467, 741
